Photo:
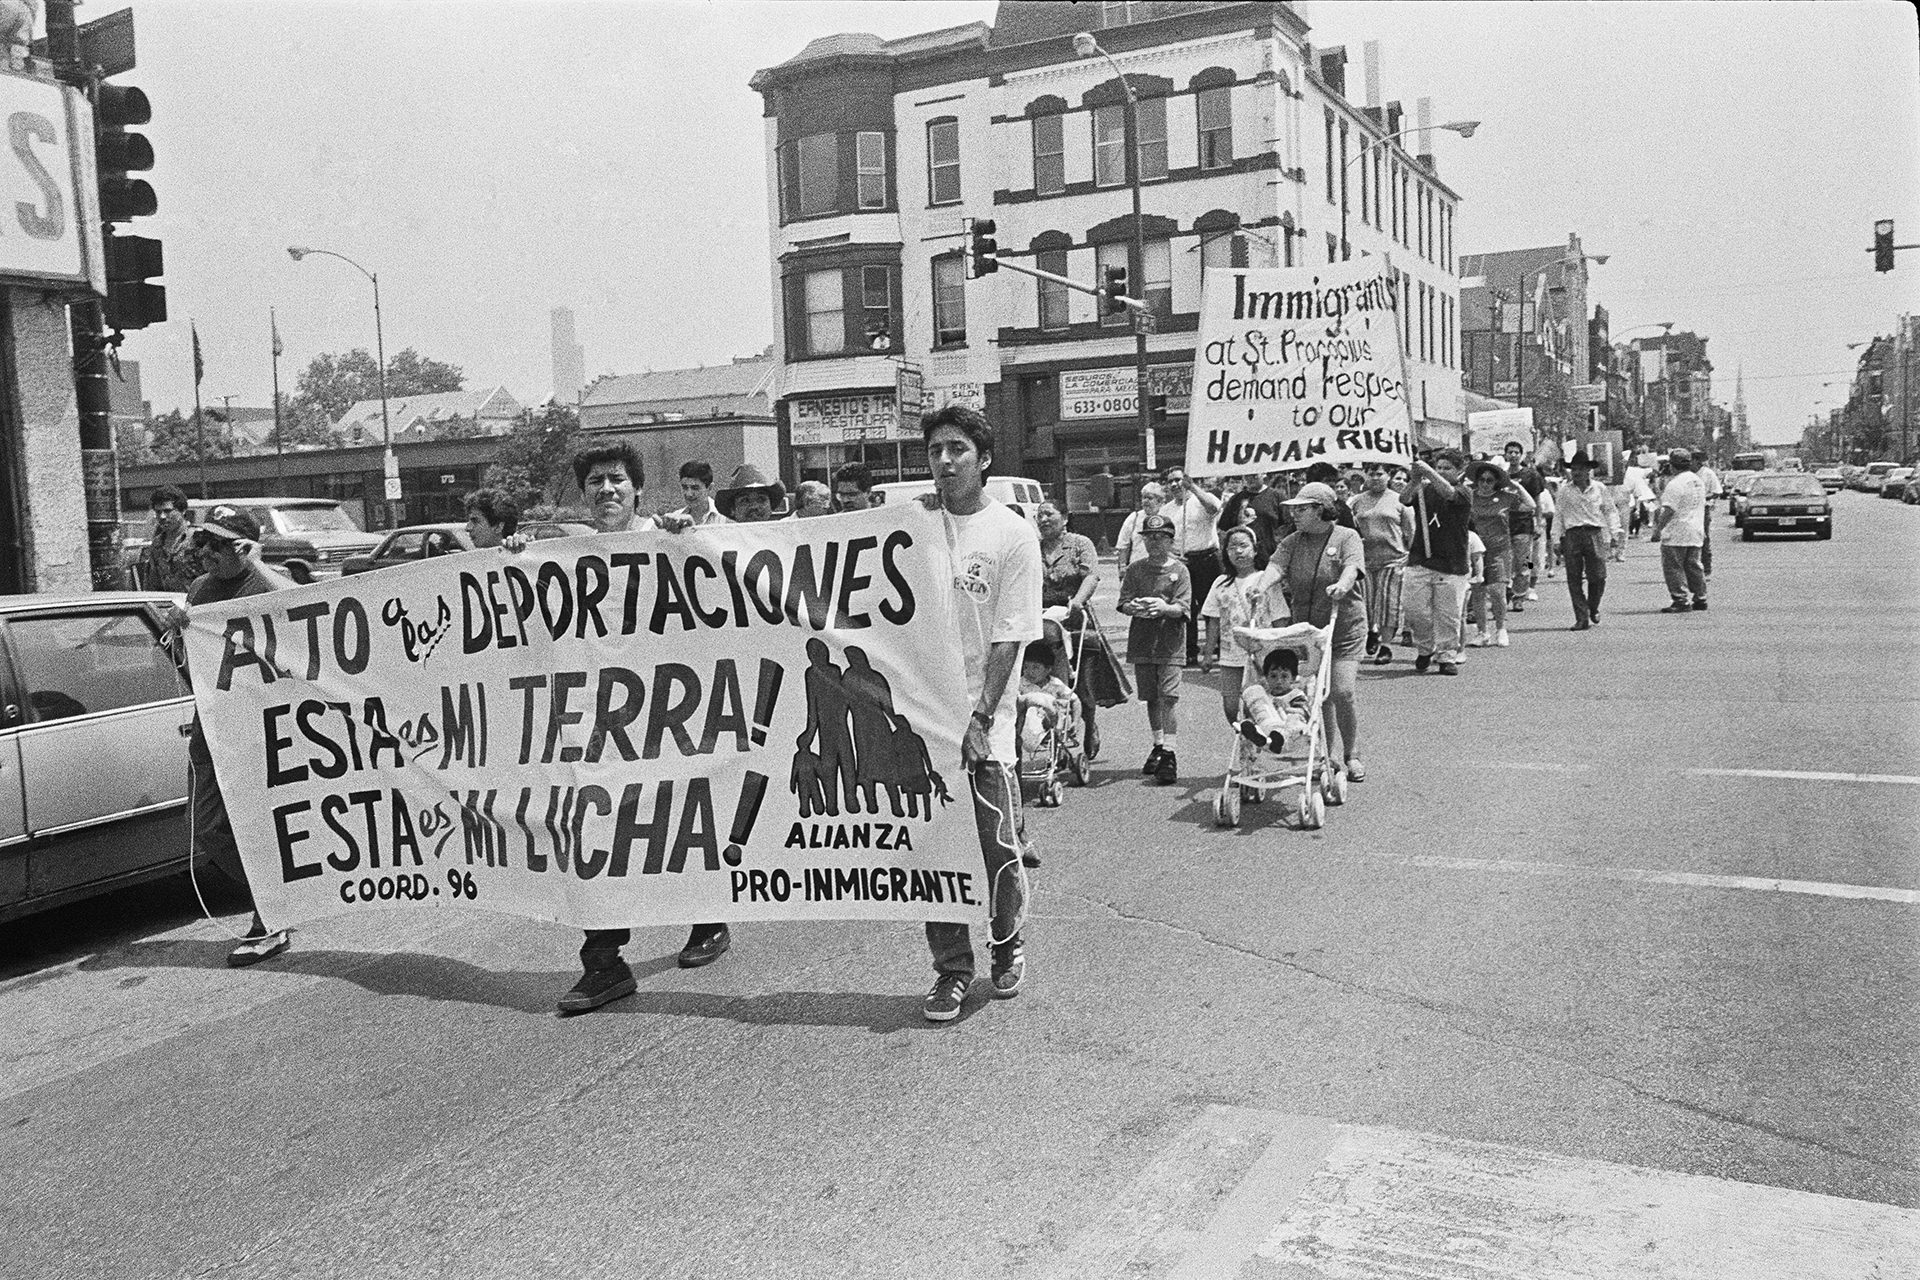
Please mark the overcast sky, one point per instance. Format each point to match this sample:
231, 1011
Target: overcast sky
492, 161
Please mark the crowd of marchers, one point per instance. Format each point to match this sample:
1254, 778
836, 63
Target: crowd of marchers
1431, 557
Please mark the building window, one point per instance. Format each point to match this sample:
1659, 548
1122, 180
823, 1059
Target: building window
1116, 13
823, 292
1223, 249
1053, 294
876, 307
949, 300
819, 176
1343, 167
943, 162
1109, 146
871, 161
1049, 155
1379, 222
1152, 114
1333, 247
1159, 273
1331, 195
1364, 188
1215, 108
1112, 255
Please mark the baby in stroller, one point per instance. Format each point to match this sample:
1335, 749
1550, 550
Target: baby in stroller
1274, 708
1047, 705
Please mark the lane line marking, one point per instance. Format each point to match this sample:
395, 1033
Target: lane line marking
1898, 779
1689, 879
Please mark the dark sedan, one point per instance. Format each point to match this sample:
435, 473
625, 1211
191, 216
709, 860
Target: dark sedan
1788, 503
1895, 482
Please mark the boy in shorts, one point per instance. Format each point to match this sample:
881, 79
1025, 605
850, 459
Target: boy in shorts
1157, 594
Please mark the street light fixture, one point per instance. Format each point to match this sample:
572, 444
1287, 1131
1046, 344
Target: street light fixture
389, 466
1085, 46
1464, 128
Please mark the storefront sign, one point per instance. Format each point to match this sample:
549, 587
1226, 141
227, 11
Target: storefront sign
909, 392
1298, 365
1097, 393
1588, 393
843, 419
51, 230
971, 394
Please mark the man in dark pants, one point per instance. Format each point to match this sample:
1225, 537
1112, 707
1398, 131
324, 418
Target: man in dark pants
1193, 511
1589, 521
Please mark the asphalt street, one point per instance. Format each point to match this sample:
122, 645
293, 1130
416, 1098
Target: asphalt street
1614, 951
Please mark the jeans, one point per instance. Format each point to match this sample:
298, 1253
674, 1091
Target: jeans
212, 829
1002, 830
1586, 552
1523, 567
1433, 601
1683, 571
1202, 568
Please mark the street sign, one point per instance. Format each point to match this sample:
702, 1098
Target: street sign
1143, 322
393, 488
1588, 393
106, 43
909, 396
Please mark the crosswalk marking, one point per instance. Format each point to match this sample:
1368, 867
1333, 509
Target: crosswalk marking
1794, 775
1242, 1192
1690, 879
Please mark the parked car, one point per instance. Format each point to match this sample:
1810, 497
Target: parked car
1787, 503
1895, 481
316, 530
1737, 489
1023, 495
1868, 478
93, 714
1831, 479
424, 541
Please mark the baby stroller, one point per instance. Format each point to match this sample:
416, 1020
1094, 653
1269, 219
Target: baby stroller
1058, 759
1253, 771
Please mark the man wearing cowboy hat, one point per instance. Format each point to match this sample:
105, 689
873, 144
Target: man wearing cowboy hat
750, 497
1589, 523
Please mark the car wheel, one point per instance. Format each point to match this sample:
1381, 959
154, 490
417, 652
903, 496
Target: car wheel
1824, 535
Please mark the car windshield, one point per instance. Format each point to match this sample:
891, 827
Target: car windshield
320, 518
1779, 486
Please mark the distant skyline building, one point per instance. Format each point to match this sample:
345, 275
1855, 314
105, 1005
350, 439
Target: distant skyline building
569, 357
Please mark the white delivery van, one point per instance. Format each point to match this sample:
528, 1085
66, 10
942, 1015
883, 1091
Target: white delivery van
1023, 495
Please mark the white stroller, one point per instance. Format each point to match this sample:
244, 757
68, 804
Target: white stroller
1059, 757
1253, 771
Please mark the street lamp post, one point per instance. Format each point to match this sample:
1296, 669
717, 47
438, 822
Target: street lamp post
1085, 46
1464, 128
389, 467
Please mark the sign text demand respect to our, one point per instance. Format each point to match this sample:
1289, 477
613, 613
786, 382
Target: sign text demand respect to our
1298, 365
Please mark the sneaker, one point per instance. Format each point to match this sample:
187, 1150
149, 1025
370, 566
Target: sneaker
597, 987
1250, 733
1678, 606
1516, 607
944, 1000
1579, 626
1449, 668
1167, 770
1009, 968
1382, 656
1532, 594
260, 947
1153, 761
1277, 743
1500, 640
1422, 662
1481, 641
1029, 859
1595, 616
1700, 604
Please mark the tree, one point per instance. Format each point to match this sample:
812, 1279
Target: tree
172, 437
302, 426
333, 384
534, 461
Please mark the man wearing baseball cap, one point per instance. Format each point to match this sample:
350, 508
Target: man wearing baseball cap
229, 539
1157, 593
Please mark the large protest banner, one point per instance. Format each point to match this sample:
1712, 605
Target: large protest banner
734, 722
1295, 366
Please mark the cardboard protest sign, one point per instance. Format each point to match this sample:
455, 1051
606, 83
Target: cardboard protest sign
1296, 366
1491, 430
735, 722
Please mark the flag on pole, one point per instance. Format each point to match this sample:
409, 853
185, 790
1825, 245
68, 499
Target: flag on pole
274, 323
199, 365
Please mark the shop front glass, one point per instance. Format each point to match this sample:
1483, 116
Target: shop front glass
888, 460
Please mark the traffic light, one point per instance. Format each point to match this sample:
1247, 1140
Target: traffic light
982, 249
133, 302
1883, 245
1116, 291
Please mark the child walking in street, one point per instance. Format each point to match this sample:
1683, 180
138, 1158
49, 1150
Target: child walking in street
1239, 599
1157, 594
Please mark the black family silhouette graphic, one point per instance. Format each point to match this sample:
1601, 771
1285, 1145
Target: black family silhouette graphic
856, 745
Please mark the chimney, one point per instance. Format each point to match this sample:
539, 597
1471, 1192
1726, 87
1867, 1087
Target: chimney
1370, 57
1394, 114
1333, 69
1423, 121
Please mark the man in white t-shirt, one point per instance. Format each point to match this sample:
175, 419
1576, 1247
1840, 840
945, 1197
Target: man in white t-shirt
996, 609
1681, 526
